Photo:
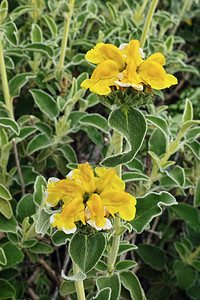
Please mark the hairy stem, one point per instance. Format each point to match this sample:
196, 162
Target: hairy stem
148, 22
79, 284
8, 100
118, 139
65, 36
181, 15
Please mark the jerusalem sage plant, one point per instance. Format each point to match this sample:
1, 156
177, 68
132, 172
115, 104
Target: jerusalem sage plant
90, 207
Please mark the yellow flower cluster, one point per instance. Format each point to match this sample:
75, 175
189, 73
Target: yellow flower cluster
124, 67
89, 199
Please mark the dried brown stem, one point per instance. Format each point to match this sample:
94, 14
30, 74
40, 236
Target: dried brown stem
33, 295
50, 271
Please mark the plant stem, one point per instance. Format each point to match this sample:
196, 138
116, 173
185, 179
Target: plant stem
78, 284
118, 139
181, 15
65, 36
193, 255
148, 22
8, 100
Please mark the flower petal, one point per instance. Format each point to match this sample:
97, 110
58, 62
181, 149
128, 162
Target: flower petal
108, 180
170, 80
102, 52
85, 175
157, 57
117, 201
96, 208
108, 225
102, 78
153, 73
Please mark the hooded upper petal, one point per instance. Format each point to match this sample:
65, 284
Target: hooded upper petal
108, 180
85, 175
102, 52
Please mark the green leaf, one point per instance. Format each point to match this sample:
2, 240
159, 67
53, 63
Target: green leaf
68, 287
134, 176
10, 31
42, 224
95, 120
13, 255
152, 255
197, 193
3, 10
101, 266
86, 251
39, 185
3, 259
8, 225
51, 24
186, 275
69, 153
39, 142
41, 48
41, 248
36, 34
125, 248
25, 132
195, 148
132, 125
13, 237
148, 207
26, 207
60, 238
17, 82
5, 208
28, 174
189, 214
188, 111
104, 294
78, 277
7, 290
21, 10
125, 265
11, 124
160, 123
113, 282
4, 193
156, 136
177, 175
9, 64
29, 243
9, 274
132, 284
46, 103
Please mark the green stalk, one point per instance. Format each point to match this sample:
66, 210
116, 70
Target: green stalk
8, 100
78, 284
181, 15
65, 36
148, 22
193, 255
118, 139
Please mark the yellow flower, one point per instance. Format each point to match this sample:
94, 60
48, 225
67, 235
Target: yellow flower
125, 67
152, 72
102, 52
129, 77
102, 78
90, 199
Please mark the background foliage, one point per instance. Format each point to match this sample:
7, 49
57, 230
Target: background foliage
57, 124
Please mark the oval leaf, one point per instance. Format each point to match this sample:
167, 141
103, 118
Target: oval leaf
131, 123
46, 103
86, 251
9, 123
